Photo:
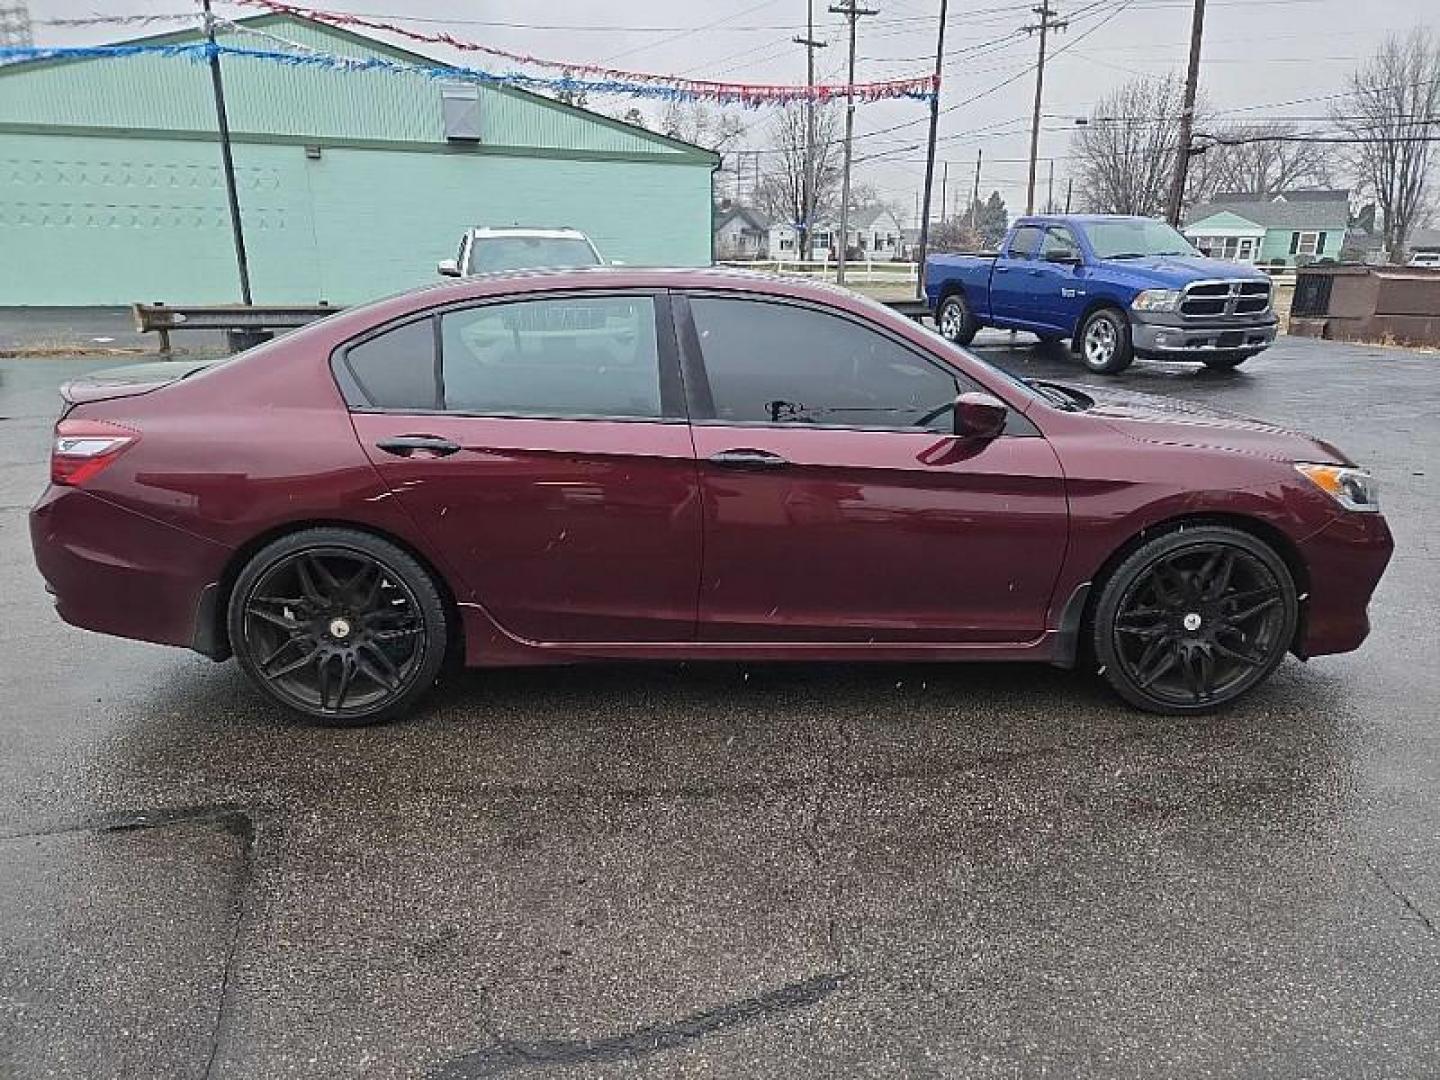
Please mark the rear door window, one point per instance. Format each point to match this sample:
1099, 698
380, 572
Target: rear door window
394, 369
594, 356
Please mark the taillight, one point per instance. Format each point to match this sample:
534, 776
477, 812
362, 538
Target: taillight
83, 448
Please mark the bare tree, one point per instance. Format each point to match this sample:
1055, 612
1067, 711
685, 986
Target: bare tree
780, 193
1125, 154
698, 124
1261, 159
1391, 111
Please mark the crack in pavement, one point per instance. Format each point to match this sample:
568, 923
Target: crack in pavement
1409, 904
508, 1054
234, 820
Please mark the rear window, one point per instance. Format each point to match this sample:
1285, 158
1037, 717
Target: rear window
495, 253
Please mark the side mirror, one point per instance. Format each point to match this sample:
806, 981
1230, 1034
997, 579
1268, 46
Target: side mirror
979, 416
447, 268
1070, 257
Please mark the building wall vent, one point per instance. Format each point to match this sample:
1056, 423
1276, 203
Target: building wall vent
460, 109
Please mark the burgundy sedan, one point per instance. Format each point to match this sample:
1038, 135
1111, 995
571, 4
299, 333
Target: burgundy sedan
546, 468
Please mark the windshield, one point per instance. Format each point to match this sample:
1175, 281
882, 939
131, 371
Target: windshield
1134, 238
492, 253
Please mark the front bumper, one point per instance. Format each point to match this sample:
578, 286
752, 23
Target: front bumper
1344, 561
114, 571
1175, 337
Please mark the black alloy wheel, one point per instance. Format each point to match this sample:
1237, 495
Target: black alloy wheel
341, 626
1194, 619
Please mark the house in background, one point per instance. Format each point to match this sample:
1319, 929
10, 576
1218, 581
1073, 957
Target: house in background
741, 233
1286, 229
874, 233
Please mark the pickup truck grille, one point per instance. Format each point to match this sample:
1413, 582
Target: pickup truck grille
1217, 299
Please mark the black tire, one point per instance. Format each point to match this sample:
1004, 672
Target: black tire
1104, 342
1193, 619
955, 319
338, 625
1225, 361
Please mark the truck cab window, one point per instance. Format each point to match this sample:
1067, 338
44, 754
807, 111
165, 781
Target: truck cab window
1023, 242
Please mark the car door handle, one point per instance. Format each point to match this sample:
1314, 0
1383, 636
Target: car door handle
406, 445
748, 459
1002, 269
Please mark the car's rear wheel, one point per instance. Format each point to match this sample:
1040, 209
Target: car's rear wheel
955, 320
1105, 342
1225, 361
1193, 619
339, 625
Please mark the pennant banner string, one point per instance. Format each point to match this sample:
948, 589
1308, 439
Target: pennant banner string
750, 95
919, 87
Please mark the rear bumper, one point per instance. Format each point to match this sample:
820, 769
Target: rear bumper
1345, 561
114, 571
1176, 338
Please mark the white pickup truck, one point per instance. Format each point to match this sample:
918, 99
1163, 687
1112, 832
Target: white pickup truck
490, 250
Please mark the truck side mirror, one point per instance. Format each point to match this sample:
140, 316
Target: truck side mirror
979, 416
447, 268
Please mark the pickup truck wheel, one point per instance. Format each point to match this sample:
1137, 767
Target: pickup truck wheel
1105, 342
955, 320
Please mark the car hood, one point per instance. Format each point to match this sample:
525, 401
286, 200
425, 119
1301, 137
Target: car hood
131, 380
1166, 421
1174, 271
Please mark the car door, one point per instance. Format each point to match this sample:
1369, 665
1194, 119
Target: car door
1058, 279
541, 445
1011, 286
838, 506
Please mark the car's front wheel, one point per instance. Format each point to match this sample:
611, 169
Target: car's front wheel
339, 625
1193, 619
955, 320
1104, 342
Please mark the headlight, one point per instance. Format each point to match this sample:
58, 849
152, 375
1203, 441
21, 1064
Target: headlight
1157, 300
1354, 489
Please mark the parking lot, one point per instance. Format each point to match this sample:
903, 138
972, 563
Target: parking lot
778, 871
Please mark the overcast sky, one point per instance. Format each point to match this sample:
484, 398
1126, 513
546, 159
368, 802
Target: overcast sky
1261, 59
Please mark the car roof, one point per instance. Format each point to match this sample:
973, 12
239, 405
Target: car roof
563, 232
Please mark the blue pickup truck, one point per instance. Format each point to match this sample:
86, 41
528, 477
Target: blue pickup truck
1117, 287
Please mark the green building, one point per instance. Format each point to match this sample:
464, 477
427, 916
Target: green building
352, 184
1288, 229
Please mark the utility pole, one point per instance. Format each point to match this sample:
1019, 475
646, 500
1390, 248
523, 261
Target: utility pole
807, 182
1047, 23
975, 198
226, 157
853, 14
944, 190
1050, 190
930, 154
1187, 118
1069, 187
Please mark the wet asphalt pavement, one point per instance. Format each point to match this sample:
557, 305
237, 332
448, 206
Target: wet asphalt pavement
764, 871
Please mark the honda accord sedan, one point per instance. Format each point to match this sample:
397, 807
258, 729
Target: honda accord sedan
607, 464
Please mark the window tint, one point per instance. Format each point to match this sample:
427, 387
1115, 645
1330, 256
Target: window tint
1058, 241
576, 356
396, 369
1022, 244
775, 363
